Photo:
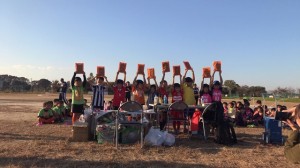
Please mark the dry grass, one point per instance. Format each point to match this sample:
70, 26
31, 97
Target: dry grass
22, 144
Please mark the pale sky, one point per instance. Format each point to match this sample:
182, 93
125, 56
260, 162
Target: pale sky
257, 41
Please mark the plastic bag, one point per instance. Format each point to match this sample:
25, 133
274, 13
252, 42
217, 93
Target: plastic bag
155, 137
169, 139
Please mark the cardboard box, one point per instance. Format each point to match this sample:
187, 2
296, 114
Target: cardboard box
122, 67
79, 68
187, 65
166, 66
206, 72
217, 65
141, 69
80, 132
176, 70
151, 73
100, 71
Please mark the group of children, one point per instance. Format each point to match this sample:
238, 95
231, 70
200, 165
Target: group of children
181, 91
243, 115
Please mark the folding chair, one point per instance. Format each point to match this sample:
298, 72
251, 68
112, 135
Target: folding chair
208, 116
130, 109
178, 111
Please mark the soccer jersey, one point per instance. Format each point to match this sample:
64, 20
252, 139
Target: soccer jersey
162, 92
205, 97
57, 110
138, 95
98, 96
177, 96
217, 94
77, 95
119, 95
45, 114
188, 95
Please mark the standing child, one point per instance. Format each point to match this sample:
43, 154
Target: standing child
188, 91
205, 94
152, 93
138, 90
163, 87
119, 91
177, 95
128, 91
77, 96
45, 115
98, 94
216, 87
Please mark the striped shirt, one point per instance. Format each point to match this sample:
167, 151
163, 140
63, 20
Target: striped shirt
98, 96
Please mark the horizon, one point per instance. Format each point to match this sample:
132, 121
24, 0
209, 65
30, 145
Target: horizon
257, 42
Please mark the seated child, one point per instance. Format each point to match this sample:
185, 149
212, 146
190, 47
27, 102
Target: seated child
59, 111
177, 95
68, 109
152, 93
248, 114
258, 116
109, 105
45, 115
231, 110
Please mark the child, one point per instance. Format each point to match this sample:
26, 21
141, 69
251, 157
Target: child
273, 112
163, 87
152, 93
98, 93
248, 114
188, 91
77, 96
231, 110
225, 106
258, 116
109, 105
45, 115
216, 87
119, 91
59, 111
177, 95
205, 94
85, 106
258, 103
68, 108
128, 91
138, 90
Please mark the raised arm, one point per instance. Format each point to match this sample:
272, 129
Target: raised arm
212, 78
108, 84
117, 76
193, 75
124, 77
84, 80
221, 79
184, 76
134, 80
155, 82
73, 79
202, 83
163, 77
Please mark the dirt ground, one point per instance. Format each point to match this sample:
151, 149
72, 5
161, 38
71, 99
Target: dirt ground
23, 144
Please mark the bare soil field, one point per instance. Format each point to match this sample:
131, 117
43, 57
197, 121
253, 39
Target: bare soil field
23, 144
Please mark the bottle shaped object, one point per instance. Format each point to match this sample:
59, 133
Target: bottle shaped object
202, 101
199, 101
165, 100
155, 100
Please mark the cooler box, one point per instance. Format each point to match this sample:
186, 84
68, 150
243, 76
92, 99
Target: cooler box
80, 132
273, 131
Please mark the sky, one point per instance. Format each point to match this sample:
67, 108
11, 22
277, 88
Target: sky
257, 41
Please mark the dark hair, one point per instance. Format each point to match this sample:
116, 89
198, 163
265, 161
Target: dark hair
61, 102
55, 100
260, 109
45, 104
77, 79
205, 86
231, 104
139, 82
120, 81
153, 86
217, 83
176, 85
273, 109
258, 101
70, 100
188, 79
225, 103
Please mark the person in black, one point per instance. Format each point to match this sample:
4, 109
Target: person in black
128, 91
196, 93
63, 91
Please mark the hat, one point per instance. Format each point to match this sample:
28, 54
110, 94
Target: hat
216, 83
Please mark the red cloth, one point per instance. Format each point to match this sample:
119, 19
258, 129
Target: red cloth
46, 121
119, 95
177, 96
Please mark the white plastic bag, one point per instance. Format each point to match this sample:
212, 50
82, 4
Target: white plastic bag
169, 139
155, 137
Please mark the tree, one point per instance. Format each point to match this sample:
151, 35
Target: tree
231, 86
55, 86
44, 85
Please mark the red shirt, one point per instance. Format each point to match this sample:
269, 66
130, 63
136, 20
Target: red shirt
119, 95
162, 91
177, 96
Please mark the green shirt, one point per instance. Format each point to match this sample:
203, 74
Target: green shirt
58, 110
188, 95
77, 95
45, 114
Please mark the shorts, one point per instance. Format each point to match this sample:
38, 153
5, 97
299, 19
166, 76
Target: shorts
77, 108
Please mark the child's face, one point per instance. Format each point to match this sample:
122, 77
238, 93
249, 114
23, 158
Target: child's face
189, 84
140, 86
77, 83
48, 106
225, 105
205, 90
119, 85
164, 84
231, 105
100, 81
177, 89
152, 90
216, 86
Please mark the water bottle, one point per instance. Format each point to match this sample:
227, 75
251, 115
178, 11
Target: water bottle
155, 100
165, 99
202, 101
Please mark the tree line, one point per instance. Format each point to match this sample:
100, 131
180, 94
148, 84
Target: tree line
9, 83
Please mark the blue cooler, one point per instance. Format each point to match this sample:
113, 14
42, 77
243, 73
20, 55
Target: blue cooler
273, 131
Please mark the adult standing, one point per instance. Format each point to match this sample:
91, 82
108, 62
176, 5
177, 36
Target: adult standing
63, 91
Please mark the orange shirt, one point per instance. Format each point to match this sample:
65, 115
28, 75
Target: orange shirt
138, 95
